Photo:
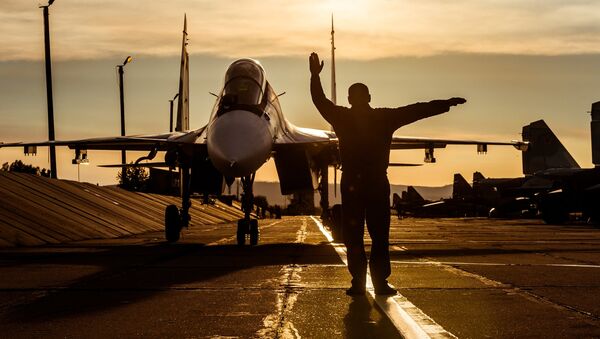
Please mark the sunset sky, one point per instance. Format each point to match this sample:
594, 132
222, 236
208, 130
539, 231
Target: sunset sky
514, 61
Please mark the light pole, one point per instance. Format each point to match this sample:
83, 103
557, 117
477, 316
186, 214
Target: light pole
122, 101
49, 89
171, 112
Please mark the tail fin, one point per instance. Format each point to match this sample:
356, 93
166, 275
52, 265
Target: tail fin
461, 188
545, 151
183, 108
413, 196
477, 176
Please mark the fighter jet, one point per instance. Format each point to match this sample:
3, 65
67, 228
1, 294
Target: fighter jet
245, 129
406, 204
461, 204
553, 181
574, 189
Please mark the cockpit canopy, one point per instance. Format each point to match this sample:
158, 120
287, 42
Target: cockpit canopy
244, 83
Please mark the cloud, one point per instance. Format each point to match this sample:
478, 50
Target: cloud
365, 29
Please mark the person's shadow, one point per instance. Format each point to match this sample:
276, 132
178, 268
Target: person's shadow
365, 320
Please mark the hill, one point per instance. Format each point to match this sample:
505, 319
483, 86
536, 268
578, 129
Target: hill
274, 196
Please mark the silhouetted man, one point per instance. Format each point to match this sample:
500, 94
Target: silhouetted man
365, 136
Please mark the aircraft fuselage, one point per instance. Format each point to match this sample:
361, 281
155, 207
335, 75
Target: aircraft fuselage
244, 121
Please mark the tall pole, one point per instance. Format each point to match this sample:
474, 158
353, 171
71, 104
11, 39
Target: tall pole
171, 112
122, 103
324, 203
50, 101
333, 84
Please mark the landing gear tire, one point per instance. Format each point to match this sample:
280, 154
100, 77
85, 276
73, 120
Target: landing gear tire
254, 233
242, 229
172, 223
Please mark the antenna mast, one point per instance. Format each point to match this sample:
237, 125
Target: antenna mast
333, 84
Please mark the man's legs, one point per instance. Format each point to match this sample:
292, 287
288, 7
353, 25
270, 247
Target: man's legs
378, 223
353, 226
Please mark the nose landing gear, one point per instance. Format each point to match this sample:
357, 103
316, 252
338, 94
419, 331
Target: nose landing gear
247, 226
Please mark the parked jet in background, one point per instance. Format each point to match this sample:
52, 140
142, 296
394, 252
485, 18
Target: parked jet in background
574, 189
410, 201
504, 197
552, 180
246, 128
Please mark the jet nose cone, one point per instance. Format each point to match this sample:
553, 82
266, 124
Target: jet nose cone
239, 142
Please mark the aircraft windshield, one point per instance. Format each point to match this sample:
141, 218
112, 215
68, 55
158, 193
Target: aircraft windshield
244, 83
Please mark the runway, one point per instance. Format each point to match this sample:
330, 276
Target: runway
465, 278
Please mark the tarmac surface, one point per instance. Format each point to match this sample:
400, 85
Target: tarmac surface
469, 278
35, 210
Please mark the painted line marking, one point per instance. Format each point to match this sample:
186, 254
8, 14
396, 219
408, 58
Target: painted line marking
459, 263
509, 289
410, 321
525, 242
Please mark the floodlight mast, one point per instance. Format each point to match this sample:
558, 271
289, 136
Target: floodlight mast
50, 101
122, 104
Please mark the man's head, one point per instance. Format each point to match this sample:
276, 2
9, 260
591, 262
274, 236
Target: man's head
358, 95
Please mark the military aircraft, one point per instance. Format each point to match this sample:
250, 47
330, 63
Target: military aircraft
551, 175
408, 202
461, 204
246, 128
574, 189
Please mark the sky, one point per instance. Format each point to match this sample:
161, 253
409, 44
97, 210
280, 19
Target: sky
514, 61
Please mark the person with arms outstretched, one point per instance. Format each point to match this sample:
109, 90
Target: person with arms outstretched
365, 136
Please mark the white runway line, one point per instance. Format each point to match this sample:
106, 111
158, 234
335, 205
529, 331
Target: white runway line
410, 321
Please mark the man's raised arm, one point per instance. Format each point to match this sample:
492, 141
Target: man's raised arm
408, 114
324, 105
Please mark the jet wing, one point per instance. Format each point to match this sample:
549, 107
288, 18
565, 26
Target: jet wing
160, 142
299, 135
402, 142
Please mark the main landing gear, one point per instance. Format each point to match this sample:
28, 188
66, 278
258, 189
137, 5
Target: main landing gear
247, 227
176, 219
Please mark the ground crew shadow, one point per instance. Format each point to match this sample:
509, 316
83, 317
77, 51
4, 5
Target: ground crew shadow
365, 320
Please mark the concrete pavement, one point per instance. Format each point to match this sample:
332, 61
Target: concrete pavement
474, 278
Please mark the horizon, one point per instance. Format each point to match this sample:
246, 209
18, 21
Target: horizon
510, 75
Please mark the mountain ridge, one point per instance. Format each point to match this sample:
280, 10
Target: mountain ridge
270, 189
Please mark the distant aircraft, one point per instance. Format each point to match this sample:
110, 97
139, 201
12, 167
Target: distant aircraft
245, 129
552, 179
408, 202
461, 204
574, 189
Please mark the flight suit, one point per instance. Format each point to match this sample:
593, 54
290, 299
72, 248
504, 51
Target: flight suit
365, 136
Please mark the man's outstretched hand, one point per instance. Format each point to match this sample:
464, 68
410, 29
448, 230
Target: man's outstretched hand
456, 101
315, 65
